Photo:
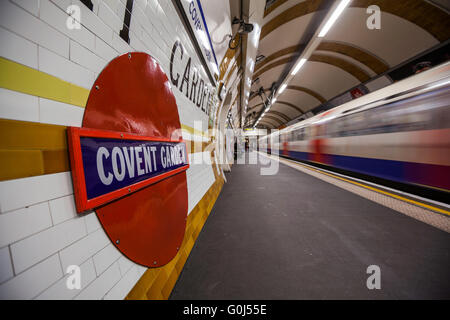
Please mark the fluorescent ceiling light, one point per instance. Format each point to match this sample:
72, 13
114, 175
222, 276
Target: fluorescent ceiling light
298, 66
274, 100
283, 87
340, 8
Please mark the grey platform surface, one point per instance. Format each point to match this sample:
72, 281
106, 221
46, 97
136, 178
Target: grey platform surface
293, 236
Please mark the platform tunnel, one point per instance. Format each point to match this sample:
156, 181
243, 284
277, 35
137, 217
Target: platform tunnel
224, 149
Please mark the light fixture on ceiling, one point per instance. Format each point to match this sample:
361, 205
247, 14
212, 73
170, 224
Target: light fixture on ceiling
334, 16
298, 66
283, 87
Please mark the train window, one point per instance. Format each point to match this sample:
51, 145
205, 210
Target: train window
423, 112
301, 133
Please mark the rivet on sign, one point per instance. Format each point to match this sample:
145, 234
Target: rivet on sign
178, 248
97, 87
121, 135
117, 241
129, 56
129, 189
154, 262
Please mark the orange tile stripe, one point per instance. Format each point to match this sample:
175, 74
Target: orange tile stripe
30, 149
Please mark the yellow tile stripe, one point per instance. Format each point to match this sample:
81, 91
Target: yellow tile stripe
194, 131
17, 77
30, 149
420, 204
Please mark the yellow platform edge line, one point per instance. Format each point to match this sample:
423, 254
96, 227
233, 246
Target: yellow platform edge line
420, 204
18, 77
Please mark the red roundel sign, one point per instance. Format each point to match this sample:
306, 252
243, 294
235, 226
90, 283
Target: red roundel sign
129, 160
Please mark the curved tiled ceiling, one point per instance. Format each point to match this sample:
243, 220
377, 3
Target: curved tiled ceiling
370, 60
279, 114
349, 54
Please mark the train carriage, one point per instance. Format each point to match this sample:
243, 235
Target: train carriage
400, 133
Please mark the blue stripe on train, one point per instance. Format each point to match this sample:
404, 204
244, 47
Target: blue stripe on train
387, 169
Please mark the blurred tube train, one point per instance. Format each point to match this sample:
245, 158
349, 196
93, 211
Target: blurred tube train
400, 133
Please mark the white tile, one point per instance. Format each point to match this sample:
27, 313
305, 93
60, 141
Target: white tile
33, 249
19, 193
93, 23
141, 270
125, 264
120, 45
59, 290
33, 281
124, 286
81, 250
18, 49
65, 69
86, 58
100, 286
105, 257
6, 270
19, 224
62, 209
32, 6
59, 113
107, 15
23, 23
57, 18
104, 50
62, 4
92, 222
18, 106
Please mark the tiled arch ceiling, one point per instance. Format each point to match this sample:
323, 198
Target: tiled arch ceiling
308, 91
356, 61
298, 10
279, 114
300, 89
348, 67
284, 103
276, 55
419, 12
370, 60
270, 124
267, 116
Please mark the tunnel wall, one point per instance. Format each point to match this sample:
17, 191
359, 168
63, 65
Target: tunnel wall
47, 71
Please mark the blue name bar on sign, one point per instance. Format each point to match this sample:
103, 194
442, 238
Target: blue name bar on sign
107, 165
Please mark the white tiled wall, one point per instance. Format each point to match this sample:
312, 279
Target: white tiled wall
200, 177
40, 232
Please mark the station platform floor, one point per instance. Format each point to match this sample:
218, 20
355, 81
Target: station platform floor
294, 235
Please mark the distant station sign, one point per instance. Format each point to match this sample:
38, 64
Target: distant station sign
194, 11
109, 165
